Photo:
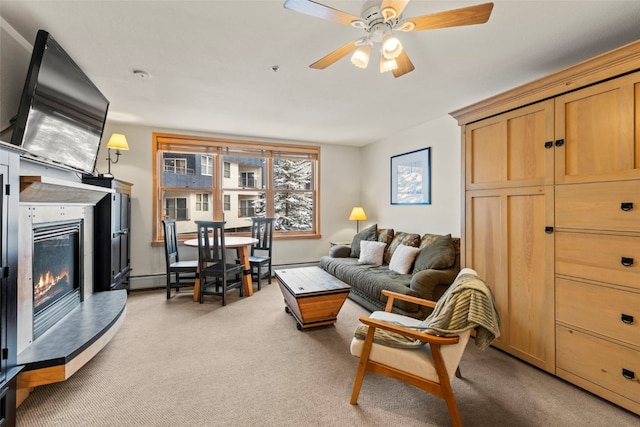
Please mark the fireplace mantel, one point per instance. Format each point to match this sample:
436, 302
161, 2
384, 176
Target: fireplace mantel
43, 189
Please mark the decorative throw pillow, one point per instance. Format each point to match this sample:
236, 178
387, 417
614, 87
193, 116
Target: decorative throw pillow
401, 238
385, 235
403, 258
371, 252
440, 254
428, 239
369, 233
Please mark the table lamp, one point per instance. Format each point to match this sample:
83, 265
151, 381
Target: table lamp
357, 215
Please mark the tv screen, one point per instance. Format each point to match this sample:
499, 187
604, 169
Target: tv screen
61, 115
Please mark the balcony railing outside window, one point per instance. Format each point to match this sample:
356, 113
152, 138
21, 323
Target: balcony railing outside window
179, 170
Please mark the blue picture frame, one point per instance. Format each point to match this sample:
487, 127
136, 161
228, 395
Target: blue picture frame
411, 178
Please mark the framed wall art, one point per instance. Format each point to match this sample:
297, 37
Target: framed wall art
411, 178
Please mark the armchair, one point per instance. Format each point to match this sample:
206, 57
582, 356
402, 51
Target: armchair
409, 350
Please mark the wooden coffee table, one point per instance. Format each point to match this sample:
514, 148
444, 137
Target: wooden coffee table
313, 296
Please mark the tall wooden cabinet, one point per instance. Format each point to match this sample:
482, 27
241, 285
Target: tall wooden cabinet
552, 220
112, 240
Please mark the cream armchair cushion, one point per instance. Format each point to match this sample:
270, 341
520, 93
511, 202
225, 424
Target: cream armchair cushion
417, 361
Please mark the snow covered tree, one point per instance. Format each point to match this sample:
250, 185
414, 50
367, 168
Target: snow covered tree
293, 202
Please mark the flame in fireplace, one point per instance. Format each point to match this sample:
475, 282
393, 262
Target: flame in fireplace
46, 286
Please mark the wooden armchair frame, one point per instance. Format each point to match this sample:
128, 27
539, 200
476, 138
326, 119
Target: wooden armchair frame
440, 389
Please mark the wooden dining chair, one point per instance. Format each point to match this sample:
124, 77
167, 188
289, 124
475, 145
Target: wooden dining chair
183, 271
260, 257
217, 276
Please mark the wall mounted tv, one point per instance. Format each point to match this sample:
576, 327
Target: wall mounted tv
61, 115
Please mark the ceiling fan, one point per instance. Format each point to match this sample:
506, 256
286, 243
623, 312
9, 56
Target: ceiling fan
381, 20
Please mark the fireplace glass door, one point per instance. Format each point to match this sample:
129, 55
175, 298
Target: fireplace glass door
57, 259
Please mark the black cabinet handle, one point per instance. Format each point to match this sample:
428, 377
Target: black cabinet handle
627, 262
626, 318
559, 142
548, 230
628, 374
548, 144
626, 206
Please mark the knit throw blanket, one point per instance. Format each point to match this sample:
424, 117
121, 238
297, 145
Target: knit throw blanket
467, 304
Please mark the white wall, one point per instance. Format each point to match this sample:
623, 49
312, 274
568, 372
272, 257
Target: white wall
340, 191
442, 216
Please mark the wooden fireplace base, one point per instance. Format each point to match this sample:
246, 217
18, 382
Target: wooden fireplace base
65, 348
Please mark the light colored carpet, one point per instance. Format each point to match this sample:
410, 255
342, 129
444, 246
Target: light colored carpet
179, 363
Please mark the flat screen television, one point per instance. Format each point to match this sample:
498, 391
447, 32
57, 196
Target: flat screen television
61, 114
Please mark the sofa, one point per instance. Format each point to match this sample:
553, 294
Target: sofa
409, 263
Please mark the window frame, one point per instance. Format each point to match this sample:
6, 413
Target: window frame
203, 202
209, 164
217, 148
176, 208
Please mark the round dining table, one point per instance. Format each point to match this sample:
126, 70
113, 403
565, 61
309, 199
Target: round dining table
241, 245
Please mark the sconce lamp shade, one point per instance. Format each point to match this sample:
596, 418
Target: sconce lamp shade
118, 142
357, 214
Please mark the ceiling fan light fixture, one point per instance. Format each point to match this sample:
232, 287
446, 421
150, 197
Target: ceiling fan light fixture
391, 46
387, 64
388, 13
406, 26
361, 56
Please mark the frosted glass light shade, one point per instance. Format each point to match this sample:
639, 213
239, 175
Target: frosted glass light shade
391, 46
361, 56
387, 65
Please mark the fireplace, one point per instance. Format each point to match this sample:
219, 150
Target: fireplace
57, 272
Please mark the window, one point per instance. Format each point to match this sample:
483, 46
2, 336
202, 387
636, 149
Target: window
202, 202
206, 165
293, 198
247, 209
247, 179
252, 179
178, 166
176, 208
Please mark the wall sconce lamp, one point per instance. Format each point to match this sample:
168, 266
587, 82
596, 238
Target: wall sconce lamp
117, 142
357, 214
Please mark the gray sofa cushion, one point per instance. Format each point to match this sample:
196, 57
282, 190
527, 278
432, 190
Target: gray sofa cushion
369, 233
370, 279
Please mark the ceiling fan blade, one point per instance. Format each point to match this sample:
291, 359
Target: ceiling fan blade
397, 5
337, 54
471, 15
404, 65
318, 10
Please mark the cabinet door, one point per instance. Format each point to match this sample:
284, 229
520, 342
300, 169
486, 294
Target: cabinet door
125, 241
509, 150
598, 132
3, 280
507, 243
115, 236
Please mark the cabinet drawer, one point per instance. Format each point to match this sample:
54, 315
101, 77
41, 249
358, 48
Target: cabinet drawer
603, 310
599, 257
599, 206
601, 362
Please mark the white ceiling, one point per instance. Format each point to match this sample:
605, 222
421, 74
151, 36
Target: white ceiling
210, 62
